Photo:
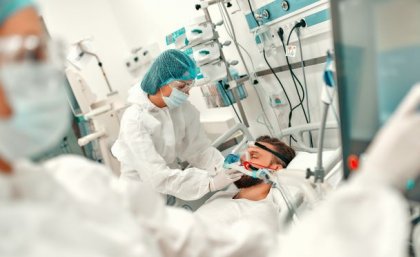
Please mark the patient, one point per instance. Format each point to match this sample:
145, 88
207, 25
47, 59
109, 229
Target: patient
252, 196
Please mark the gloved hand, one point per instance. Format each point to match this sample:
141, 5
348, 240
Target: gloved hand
393, 156
224, 178
231, 158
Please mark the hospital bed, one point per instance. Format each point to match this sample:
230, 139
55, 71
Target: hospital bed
302, 194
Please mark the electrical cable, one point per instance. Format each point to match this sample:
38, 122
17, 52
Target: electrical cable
275, 75
294, 77
303, 73
253, 14
304, 82
285, 93
296, 26
280, 83
294, 82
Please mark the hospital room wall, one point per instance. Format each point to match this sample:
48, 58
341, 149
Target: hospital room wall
116, 28
146, 22
73, 20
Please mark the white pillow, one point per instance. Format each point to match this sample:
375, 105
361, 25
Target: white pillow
304, 160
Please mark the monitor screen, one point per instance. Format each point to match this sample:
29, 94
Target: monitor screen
377, 50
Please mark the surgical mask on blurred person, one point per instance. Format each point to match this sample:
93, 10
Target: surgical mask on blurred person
40, 116
176, 99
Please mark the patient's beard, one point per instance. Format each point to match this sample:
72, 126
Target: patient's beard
247, 181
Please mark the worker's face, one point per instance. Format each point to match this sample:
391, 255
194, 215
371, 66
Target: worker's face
34, 114
23, 23
259, 159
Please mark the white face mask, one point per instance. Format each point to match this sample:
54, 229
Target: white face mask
40, 111
176, 99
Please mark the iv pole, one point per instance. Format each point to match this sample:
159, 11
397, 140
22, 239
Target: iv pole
83, 52
229, 76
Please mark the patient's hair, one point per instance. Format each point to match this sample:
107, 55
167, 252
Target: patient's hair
280, 147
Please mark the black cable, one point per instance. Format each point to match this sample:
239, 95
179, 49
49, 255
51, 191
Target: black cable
301, 23
280, 32
298, 25
281, 84
230, 101
285, 93
252, 12
275, 75
303, 69
291, 31
294, 82
295, 78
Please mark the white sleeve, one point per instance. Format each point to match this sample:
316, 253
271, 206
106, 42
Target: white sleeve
189, 184
198, 150
360, 219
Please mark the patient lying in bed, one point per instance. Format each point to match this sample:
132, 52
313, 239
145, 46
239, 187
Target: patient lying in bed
252, 197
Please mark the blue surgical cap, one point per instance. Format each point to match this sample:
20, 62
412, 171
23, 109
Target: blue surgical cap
9, 7
169, 66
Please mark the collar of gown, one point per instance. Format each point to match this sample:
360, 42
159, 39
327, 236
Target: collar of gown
139, 97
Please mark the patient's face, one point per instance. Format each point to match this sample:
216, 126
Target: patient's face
258, 158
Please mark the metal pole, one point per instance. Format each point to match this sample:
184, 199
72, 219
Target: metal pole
304, 75
319, 169
229, 76
111, 91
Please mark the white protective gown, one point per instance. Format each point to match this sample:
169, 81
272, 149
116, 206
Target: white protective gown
70, 207
151, 139
221, 208
40, 217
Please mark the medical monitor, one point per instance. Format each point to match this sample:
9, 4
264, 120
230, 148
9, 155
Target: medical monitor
377, 53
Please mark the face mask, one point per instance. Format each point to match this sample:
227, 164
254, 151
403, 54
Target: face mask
176, 99
40, 111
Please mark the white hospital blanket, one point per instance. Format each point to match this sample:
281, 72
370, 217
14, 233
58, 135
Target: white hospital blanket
222, 209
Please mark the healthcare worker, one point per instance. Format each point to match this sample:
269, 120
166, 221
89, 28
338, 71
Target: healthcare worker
39, 216
162, 126
69, 206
